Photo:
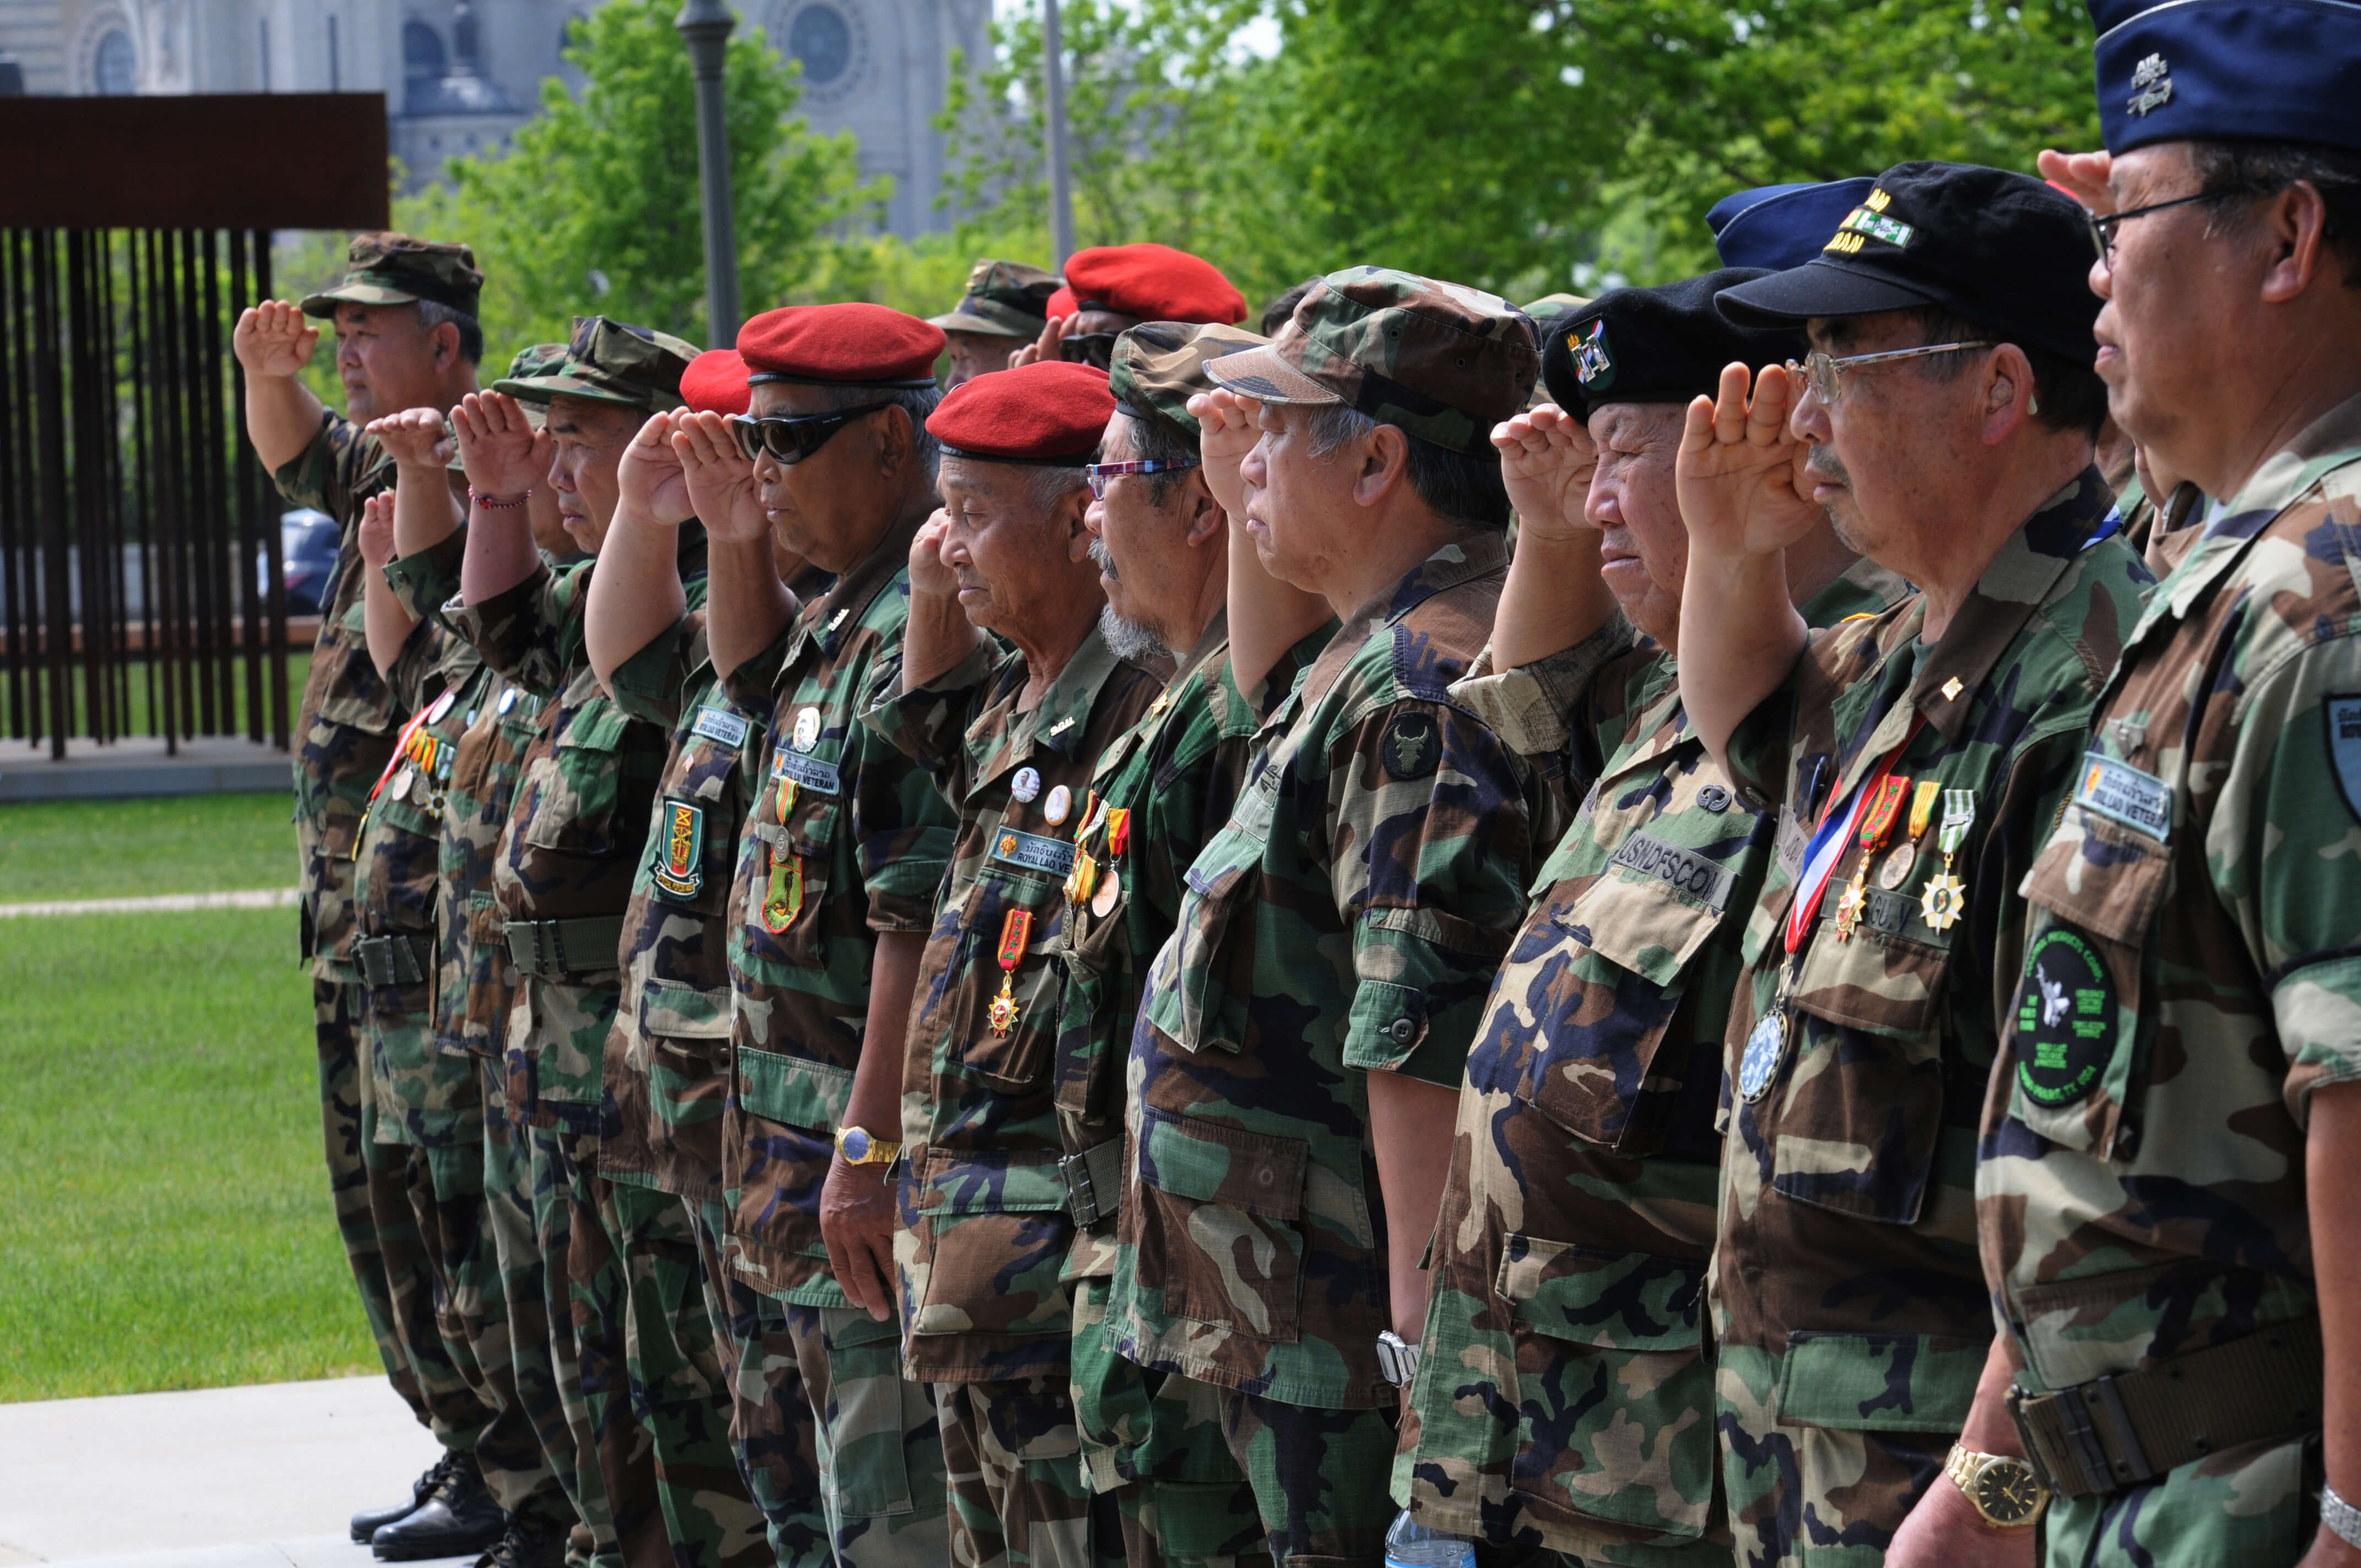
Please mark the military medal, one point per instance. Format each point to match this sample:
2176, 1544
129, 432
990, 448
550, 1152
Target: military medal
1061, 802
508, 700
1025, 784
1945, 898
807, 733
1014, 932
1118, 832
1876, 826
1765, 1048
1082, 881
783, 900
1896, 869
402, 782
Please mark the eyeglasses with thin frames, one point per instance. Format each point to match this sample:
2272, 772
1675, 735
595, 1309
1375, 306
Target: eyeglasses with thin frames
1825, 373
2102, 225
788, 438
1097, 474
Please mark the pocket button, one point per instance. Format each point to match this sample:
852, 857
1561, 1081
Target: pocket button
1402, 1030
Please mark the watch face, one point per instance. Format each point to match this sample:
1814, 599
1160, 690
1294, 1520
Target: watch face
856, 1144
2008, 1492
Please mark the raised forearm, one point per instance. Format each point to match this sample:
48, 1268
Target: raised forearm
426, 512
500, 552
1739, 636
746, 605
282, 418
387, 624
936, 637
636, 592
1266, 616
1552, 600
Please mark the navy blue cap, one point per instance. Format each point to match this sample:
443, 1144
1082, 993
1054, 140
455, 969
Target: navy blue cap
1779, 227
1664, 345
2227, 71
2002, 250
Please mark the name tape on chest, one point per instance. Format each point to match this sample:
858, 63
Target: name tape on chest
1033, 851
2121, 793
720, 724
808, 772
1683, 870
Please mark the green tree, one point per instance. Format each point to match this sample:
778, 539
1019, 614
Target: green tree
593, 208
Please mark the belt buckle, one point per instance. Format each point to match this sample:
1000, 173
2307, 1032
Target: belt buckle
1082, 1193
2034, 1454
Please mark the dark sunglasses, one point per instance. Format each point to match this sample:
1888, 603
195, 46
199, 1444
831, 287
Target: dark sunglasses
1094, 348
788, 438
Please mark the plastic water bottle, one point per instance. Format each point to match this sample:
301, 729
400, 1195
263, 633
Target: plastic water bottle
1410, 1544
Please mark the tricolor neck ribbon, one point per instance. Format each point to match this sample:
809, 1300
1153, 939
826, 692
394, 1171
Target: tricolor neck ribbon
1958, 816
1118, 831
1828, 839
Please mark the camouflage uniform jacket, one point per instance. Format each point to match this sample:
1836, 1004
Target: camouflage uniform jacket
475, 981
1173, 777
1347, 920
1578, 1215
988, 1234
424, 1096
2191, 976
1841, 1186
843, 839
344, 727
576, 829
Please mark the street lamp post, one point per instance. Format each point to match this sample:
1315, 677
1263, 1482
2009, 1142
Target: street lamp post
705, 26
1053, 101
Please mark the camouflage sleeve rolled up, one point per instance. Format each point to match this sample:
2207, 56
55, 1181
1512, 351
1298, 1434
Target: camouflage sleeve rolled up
426, 580
649, 684
1536, 707
530, 632
342, 465
929, 725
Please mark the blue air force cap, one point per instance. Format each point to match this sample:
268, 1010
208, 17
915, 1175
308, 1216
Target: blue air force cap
2228, 71
1779, 227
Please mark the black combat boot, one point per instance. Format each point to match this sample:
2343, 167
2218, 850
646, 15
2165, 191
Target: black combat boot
368, 1521
523, 1545
458, 1517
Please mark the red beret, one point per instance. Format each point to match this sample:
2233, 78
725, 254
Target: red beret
1063, 302
1049, 413
1154, 282
845, 345
715, 383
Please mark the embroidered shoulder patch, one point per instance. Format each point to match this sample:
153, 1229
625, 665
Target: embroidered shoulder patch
679, 849
1412, 749
2345, 747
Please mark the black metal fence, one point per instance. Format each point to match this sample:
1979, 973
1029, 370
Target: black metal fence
133, 514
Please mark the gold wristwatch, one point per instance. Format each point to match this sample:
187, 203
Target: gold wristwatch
859, 1148
2005, 1491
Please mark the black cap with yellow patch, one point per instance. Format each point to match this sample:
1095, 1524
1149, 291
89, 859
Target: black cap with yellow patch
389, 269
1160, 366
610, 362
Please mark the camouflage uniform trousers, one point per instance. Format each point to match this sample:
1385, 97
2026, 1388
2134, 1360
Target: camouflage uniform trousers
441, 1262
347, 1113
679, 1394
1320, 1477
1012, 1469
1154, 1444
540, 1271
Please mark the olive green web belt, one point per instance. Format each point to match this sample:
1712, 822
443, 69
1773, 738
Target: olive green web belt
555, 949
404, 957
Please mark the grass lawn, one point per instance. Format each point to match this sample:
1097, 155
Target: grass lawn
133, 691
127, 848
166, 1222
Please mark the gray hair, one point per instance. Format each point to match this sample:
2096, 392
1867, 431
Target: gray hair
918, 402
1455, 487
432, 314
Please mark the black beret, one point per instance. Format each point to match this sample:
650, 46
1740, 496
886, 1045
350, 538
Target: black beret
1664, 345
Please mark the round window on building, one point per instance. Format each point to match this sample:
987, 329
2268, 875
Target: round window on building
114, 65
821, 39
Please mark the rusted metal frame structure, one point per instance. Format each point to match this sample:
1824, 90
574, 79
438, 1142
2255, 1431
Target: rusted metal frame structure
132, 231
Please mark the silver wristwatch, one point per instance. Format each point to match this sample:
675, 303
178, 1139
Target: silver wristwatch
2341, 1518
1397, 1359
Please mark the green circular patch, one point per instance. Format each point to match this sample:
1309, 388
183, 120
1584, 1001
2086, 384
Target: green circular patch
2065, 1019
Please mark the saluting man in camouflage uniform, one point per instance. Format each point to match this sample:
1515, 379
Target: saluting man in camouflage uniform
1011, 736
833, 876
1565, 1390
1004, 308
1914, 759
406, 337
1167, 554
497, 1290
2167, 1198
567, 853
1293, 1072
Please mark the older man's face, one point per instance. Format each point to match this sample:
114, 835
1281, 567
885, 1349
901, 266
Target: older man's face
829, 507
1645, 553
1299, 511
2173, 291
386, 360
1014, 555
588, 438
975, 353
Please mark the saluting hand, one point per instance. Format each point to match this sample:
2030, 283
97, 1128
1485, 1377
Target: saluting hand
1053, 332
1546, 460
1228, 425
497, 446
649, 478
2083, 176
415, 438
720, 477
1737, 471
929, 572
377, 530
273, 340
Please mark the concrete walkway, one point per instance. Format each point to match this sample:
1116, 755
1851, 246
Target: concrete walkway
138, 765
162, 903
258, 1478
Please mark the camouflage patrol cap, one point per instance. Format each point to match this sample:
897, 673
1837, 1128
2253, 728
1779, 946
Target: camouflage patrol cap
541, 359
1005, 299
610, 362
1160, 366
1443, 361
389, 269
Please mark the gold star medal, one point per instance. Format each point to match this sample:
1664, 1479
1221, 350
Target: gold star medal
1877, 821
1013, 931
1945, 898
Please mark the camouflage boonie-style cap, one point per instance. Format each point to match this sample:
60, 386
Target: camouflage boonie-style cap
390, 269
1160, 366
1443, 361
610, 362
1005, 299
541, 359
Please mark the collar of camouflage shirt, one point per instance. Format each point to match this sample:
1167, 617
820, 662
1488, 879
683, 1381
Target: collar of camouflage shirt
2327, 442
832, 618
1062, 718
1462, 560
